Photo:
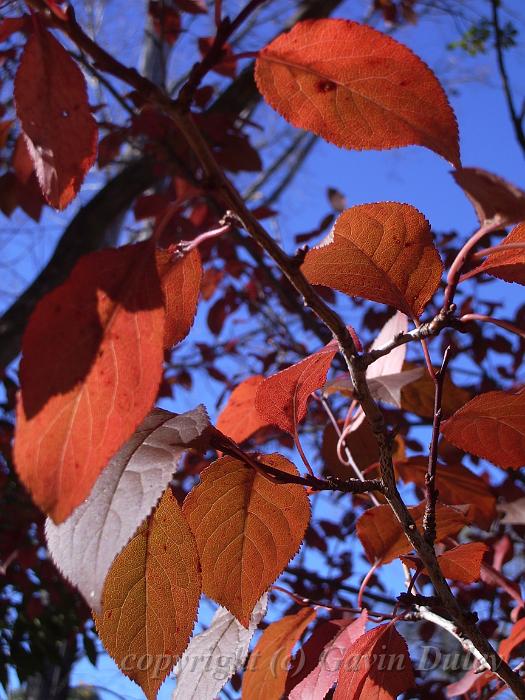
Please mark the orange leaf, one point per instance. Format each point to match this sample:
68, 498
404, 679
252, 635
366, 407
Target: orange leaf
265, 675
357, 88
239, 419
52, 105
491, 426
150, 598
91, 365
456, 484
364, 674
246, 528
281, 399
383, 252
418, 396
507, 264
517, 636
491, 196
181, 280
383, 538
462, 563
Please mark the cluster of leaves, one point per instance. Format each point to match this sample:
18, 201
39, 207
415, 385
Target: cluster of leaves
126, 524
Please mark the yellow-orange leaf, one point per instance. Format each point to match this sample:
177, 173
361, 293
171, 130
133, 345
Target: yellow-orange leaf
383, 538
357, 88
246, 528
239, 419
265, 675
383, 252
181, 281
462, 563
150, 598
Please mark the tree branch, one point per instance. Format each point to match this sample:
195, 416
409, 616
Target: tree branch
517, 119
232, 199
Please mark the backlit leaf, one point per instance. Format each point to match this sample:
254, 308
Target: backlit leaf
491, 426
383, 538
385, 376
247, 529
239, 419
376, 666
52, 106
507, 264
282, 398
91, 365
201, 672
181, 285
383, 252
492, 197
265, 675
462, 563
150, 598
86, 544
357, 88
456, 484
513, 511
418, 396
319, 681
516, 637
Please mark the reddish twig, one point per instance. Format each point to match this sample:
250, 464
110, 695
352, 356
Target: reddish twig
496, 321
454, 273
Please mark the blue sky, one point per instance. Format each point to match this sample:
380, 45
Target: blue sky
411, 175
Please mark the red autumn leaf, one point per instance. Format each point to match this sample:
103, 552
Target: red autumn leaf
319, 681
357, 88
267, 669
376, 666
282, 398
491, 426
193, 7
456, 485
516, 637
462, 563
492, 197
239, 419
506, 263
10, 25
52, 105
383, 252
181, 281
90, 371
384, 539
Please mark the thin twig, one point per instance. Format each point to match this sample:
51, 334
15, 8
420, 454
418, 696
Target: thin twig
496, 321
429, 518
454, 273
224, 444
351, 461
